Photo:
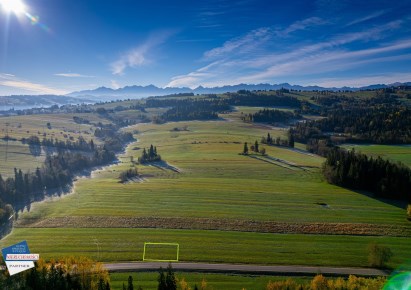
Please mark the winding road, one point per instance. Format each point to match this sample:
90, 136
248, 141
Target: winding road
244, 269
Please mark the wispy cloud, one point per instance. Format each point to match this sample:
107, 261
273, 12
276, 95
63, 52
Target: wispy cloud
302, 25
365, 81
138, 56
330, 61
73, 75
8, 80
243, 44
250, 59
367, 17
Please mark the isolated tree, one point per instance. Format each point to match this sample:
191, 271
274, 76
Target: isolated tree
256, 146
378, 256
245, 150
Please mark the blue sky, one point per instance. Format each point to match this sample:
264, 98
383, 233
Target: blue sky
60, 46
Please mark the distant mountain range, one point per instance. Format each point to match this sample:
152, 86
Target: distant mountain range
135, 92
151, 90
19, 102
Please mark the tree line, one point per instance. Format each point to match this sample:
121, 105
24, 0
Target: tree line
65, 274
58, 145
269, 140
261, 99
358, 171
57, 170
270, 116
195, 109
380, 125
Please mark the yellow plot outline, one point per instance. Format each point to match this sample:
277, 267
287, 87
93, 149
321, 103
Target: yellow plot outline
166, 244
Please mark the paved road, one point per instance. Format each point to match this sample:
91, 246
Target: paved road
244, 269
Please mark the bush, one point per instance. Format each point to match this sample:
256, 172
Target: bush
128, 174
378, 256
277, 285
319, 282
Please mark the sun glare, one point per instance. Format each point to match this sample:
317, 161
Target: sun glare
15, 6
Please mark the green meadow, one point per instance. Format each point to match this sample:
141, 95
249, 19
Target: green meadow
17, 155
396, 153
206, 177
215, 181
62, 126
212, 281
112, 245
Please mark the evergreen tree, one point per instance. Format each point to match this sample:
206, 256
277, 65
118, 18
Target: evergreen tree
245, 149
291, 140
162, 284
171, 280
145, 156
151, 152
130, 285
256, 146
269, 139
101, 285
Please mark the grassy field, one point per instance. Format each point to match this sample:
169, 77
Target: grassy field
16, 154
207, 178
209, 246
148, 281
217, 182
397, 153
62, 126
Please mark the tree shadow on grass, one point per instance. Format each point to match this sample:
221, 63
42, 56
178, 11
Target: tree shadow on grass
394, 202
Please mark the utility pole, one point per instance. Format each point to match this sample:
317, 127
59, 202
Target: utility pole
7, 140
97, 243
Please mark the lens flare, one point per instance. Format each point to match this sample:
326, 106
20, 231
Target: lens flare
15, 6
399, 281
35, 20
